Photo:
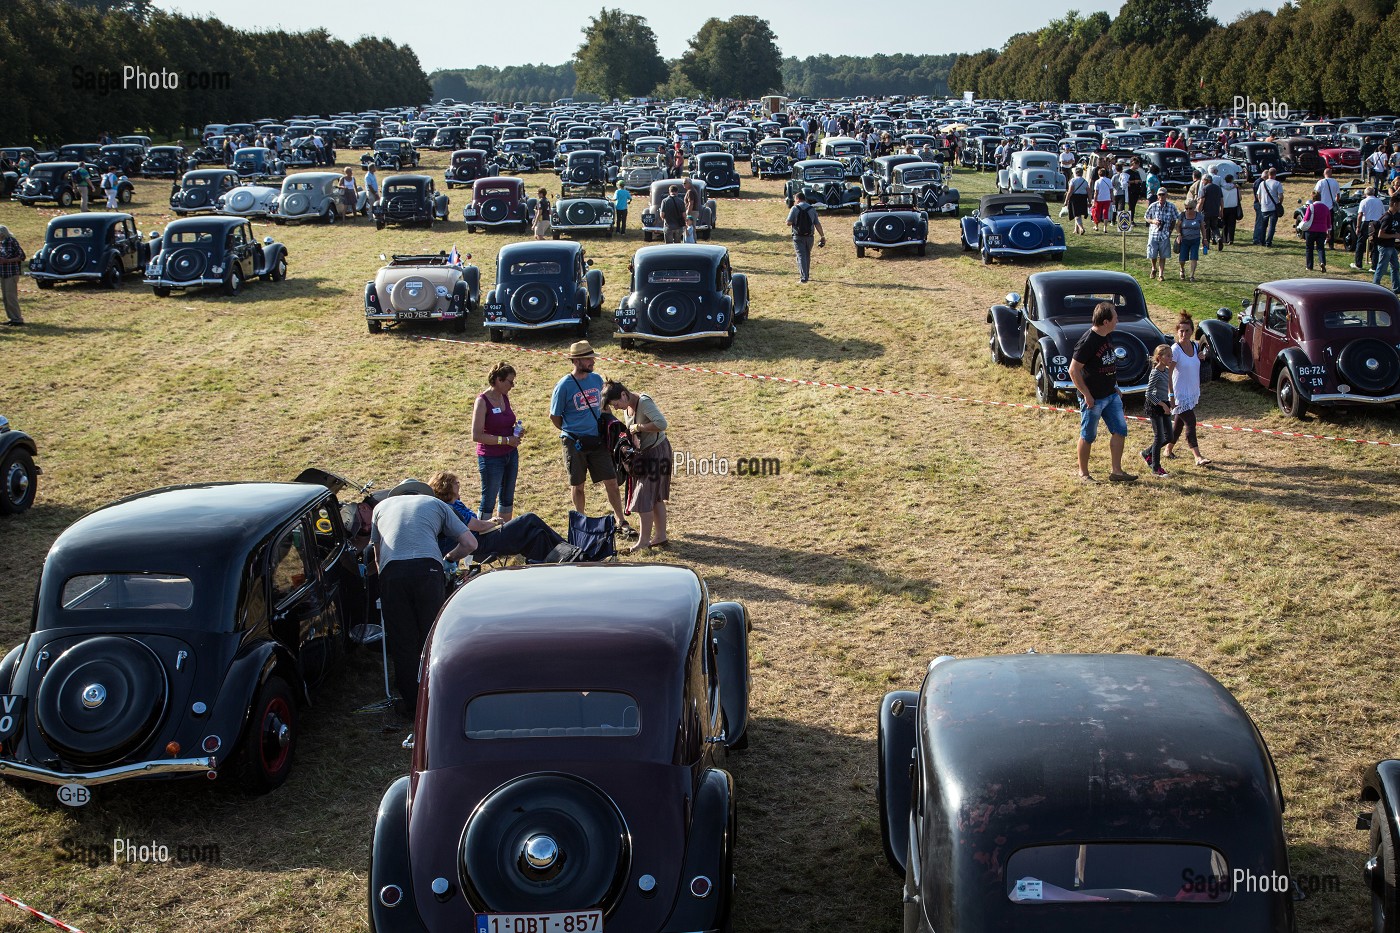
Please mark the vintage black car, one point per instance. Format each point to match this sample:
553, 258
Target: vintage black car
258, 163
124, 158
575, 215
879, 172
682, 292
894, 222
80, 152
393, 153
19, 475
53, 181
176, 633
199, 191
1301, 155
1173, 166
93, 247
498, 201
738, 141
513, 157
165, 162
1313, 342
409, 199
569, 767
543, 285
546, 150
653, 226
1257, 157
584, 172
771, 158
467, 166
450, 137
1381, 787
1058, 308
1066, 793
221, 251
716, 169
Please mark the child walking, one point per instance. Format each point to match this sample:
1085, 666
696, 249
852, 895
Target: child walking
1159, 409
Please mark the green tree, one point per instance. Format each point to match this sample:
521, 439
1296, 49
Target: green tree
736, 57
1151, 21
618, 57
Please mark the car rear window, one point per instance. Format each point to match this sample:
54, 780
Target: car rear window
535, 268
1118, 872
71, 233
674, 277
127, 591
189, 238
401, 189
568, 713
1368, 317
1082, 306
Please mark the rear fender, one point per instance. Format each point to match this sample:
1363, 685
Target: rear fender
970, 229
709, 852
389, 865
1008, 325
1293, 359
1221, 338
897, 746
371, 297
271, 256
8, 665
594, 280
234, 703
472, 276
739, 285
732, 639
1048, 352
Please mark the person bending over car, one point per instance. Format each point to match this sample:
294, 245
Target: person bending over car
412, 586
527, 535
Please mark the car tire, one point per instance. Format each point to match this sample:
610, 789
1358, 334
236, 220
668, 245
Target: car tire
498, 335
19, 481
581, 328
125, 195
279, 271
161, 291
860, 251
374, 326
64, 199
379, 224
44, 284
724, 343
995, 348
554, 234
921, 249
112, 275
626, 343
1384, 910
1290, 401
269, 739
1045, 391
986, 253
233, 283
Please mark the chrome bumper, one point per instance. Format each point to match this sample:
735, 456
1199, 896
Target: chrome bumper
556, 322
1064, 385
69, 277
680, 338
190, 283
412, 315
1360, 399
164, 768
881, 244
996, 251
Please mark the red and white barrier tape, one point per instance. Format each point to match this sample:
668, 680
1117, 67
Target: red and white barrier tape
906, 393
38, 913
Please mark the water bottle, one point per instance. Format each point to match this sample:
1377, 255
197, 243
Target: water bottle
519, 427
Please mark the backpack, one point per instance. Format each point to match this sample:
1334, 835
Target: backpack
673, 210
802, 223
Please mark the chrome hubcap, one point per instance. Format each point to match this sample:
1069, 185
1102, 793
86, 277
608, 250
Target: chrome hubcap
540, 852
94, 695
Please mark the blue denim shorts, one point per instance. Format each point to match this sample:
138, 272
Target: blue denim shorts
1188, 250
1110, 409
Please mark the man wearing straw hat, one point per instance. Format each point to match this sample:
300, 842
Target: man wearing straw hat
576, 408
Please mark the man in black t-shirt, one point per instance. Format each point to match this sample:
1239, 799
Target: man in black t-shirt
1387, 242
673, 216
1094, 371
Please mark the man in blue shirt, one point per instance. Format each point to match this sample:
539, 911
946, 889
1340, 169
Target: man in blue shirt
620, 202
576, 409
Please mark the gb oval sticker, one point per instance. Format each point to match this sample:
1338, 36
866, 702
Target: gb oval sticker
73, 795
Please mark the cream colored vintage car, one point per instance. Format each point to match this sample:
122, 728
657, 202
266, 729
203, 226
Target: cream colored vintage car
423, 288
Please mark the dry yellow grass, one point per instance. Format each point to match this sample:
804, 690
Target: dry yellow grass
898, 529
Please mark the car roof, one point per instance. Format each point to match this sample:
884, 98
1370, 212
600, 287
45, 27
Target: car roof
663, 254
1320, 295
498, 181
414, 179
548, 249
209, 172
100, 217
205, 220
176, 527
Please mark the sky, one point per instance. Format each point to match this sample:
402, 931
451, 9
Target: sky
549, 31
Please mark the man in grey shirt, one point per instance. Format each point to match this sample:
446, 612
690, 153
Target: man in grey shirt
412, 585
804, 222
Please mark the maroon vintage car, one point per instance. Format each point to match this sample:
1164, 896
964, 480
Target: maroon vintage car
568, 765
498, 201
467, 166
1314, 342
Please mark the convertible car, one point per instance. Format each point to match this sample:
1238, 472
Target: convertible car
569, 764
1006, 226
1078, 792
1058, 309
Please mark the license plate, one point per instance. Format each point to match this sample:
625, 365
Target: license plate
415, 314
574, 921
11, 706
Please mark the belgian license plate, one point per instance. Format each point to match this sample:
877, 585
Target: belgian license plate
574, 921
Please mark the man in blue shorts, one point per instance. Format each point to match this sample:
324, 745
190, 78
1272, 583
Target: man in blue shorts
1094, 371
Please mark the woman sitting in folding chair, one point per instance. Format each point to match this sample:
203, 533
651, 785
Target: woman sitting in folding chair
527, 535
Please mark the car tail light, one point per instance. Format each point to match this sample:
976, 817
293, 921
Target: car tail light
172, 749
212, 743
700, 886
390, 895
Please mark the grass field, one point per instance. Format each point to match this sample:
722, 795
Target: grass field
898, 529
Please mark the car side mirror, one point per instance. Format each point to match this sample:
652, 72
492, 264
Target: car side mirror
588, 262
1013, 300
155, 234
1223, 314
1245, 303
267, 241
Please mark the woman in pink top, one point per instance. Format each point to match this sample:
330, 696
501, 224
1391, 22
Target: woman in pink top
497, 437
1315, 225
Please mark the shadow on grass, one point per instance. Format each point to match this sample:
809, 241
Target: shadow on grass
810, 793
1300, 488
814, 569
293, 288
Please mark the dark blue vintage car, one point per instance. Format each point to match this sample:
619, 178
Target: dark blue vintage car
569, 767
682, 292
98, 246
1058, 308
541, 286
716, 170
1012, 225
176, 634
824, 183
895, 221
198, 192
197, 251
1070, 793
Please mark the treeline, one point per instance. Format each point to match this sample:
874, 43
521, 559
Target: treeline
524, 83
875, 75
1323, 56
62, 81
